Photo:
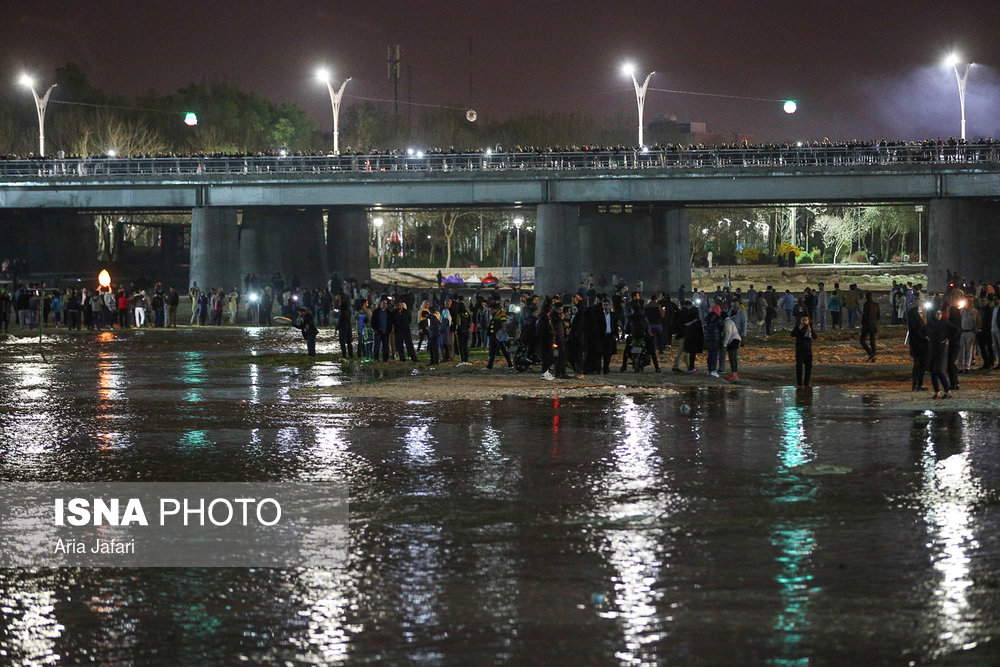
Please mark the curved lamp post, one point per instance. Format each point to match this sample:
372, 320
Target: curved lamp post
335, 95
40, 104
640, 94
962, 80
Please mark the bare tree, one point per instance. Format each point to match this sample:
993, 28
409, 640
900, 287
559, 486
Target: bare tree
448, 221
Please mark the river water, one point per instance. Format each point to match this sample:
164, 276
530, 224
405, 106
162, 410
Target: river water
724, 526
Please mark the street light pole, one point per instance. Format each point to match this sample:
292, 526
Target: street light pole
640, 95
40, 104
962, 80
378, 222
920, 232
335, 96
517, 224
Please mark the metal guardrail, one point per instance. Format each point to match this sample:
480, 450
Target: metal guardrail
707, 158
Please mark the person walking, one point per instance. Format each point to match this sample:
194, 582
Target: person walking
713, 338
694, 338
544, 338
869, 325
734, 329
835, 306
804, 336
499, 337
916, 331
788, 305
939, 331
971, 323
821, 306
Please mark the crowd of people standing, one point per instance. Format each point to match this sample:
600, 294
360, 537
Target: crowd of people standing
580, 332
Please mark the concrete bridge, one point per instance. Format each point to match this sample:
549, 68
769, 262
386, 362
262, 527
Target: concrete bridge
265, 213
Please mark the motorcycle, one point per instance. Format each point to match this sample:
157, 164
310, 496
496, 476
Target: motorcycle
524, 356
638, 354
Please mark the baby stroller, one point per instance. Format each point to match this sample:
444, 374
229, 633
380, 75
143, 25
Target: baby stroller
524, 351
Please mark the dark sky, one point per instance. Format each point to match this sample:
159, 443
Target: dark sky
858, 69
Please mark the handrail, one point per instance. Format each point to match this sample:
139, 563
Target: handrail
612, 160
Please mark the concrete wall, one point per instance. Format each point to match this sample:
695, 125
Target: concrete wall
649, 244
557, 249
50, 241
215, 249
283, 240
347, 242
964, 238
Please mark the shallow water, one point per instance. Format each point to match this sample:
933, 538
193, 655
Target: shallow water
714, 527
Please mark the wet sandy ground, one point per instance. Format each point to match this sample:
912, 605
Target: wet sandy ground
499, 518
839, 361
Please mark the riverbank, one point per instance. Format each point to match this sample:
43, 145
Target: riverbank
839, 361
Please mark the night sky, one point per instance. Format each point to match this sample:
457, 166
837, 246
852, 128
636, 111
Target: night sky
859, 70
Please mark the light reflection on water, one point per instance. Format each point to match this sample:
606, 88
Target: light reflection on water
795, 540
615, 530
949, 491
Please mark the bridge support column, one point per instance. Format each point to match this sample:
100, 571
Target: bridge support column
649, 244
963, 237
557, 249
50, 241
347, 243
215, 254
285, 240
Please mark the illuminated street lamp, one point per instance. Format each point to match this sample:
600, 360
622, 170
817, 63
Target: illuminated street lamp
325, 76
40, 104
517, 225
962, 80
640, 94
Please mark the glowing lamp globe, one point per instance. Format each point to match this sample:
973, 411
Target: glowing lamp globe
104, 279
190, 119
790, 106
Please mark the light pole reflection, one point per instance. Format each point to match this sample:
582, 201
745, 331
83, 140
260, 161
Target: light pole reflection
948, 495
795, 539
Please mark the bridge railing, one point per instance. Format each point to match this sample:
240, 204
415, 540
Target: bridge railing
711, 158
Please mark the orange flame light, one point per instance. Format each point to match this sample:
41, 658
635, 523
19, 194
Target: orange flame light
104, 279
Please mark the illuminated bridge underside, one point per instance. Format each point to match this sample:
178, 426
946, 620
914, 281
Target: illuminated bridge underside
573, 239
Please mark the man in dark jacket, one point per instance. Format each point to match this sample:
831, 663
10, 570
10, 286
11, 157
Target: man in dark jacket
404, 339
954, 315
917, 334
309, 331
345, 328
869, 325
544, 340
577, 334
382, 321
462, 323
559, 339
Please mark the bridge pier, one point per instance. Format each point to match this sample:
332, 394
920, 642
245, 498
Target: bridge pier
286, 240
649, 244
557, 248
215, 249
50, 241
963, 237
347, 243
